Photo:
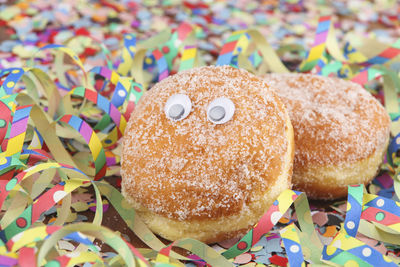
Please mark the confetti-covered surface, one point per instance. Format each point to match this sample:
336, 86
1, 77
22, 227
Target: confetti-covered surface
71, 73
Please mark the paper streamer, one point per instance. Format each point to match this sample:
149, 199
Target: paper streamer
358, 249
196, 247
318, 48
92, 140
179, 37
122, 84
99, 232
354, 209
32, 213
7, 107
188, 57
13, 76
128, 53
71, 54
267, 221
107, 107
162, 64
384, 56
234, 45
18, 130
86, 34
291, 240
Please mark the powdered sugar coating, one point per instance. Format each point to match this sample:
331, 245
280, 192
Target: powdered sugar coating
335, 121
194, 169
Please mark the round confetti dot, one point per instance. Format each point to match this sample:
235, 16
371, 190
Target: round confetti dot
243, 258
242, 245
294, 248
137, 89
256, 248
132, 49
10, 84
348, 207
58, 195
2, 123
275, 216
11, 184
380, 216
165, 49
132, 98
108, 141
148, 60
121, 93
330, 250
366, 252
128, 37
16, 71
351, 263
21, 222
380, 202
350, 224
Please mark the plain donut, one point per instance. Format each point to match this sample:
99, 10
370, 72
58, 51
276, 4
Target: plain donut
341, 132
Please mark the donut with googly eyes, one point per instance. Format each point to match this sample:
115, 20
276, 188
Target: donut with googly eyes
341, 132
206, 152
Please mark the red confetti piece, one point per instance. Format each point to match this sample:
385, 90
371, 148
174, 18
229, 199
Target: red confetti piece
278, 260
82, 31
89, 52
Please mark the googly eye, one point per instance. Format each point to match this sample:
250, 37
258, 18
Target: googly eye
178, 107
220, 111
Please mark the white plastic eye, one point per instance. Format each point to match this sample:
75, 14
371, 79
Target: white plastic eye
178, 107
221, 110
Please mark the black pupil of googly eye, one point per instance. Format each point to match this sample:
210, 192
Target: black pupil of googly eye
176, 111
217, 113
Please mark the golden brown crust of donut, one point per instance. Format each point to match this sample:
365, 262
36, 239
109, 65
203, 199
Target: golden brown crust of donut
335, 121
193, 169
